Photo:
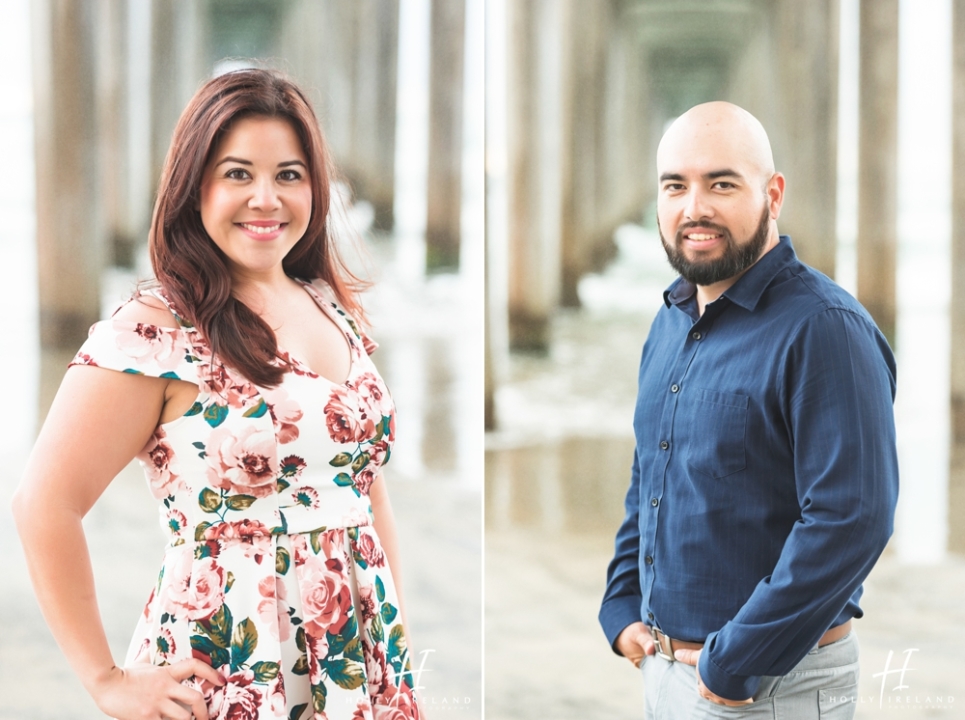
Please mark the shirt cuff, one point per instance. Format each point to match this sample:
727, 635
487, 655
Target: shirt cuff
719, 681
618, 613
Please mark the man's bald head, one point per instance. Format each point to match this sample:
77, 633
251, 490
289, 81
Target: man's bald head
717, 132
719, 198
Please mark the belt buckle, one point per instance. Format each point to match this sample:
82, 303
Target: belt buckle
665, 653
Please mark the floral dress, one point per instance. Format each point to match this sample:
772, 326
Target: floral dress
273, 573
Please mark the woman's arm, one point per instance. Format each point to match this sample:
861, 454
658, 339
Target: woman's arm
384, 522
99, 420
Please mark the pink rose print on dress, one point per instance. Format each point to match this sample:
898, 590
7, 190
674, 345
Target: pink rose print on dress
395, 703
244, 463
227, 388
346, 421
160, 466
370, 550
238, 699
363, 711
317, 649
372, 395
196, 589
326, 597
251, 534
276, 691
82, 358
368, 603
149, 343
377, 453
377, 669
363, 479
285, 413
355, 409
273, 609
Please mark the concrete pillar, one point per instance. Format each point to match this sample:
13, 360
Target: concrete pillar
956, 488
444, 201
69, 238
375, 108
534, 136
358, 94
112, 126
302, 24
878, 161
806, 58
177, 69
583, 167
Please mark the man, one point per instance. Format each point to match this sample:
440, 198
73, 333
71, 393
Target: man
765, 474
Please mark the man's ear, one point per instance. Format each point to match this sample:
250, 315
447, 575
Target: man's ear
775, 194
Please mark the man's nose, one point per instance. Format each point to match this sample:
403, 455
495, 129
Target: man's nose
698, 207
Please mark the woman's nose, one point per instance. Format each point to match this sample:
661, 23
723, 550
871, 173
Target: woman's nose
264, 196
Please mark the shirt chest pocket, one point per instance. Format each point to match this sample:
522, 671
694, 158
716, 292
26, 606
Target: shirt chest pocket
713, 429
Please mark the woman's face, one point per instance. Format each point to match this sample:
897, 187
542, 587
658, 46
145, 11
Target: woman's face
256, 196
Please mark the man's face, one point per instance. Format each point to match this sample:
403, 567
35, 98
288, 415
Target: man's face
714, 208
706, 268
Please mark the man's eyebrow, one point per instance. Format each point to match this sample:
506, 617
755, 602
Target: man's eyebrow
671, 176
727, 172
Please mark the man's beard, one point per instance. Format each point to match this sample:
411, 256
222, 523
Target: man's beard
737, 257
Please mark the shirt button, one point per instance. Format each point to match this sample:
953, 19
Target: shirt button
664, 445
696, 335
654, 502
648, 560
649, 616
674, 388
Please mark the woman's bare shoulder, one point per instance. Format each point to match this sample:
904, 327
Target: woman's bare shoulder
146, 309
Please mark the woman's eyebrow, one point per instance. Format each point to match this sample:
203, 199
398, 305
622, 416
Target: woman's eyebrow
229, 158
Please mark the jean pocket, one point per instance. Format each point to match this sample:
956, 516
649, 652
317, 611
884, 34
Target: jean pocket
715, 424
838, 703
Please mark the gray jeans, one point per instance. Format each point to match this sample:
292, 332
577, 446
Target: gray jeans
823, 685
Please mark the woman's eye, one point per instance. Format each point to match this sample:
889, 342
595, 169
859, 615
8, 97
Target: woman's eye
237, 174
289, 175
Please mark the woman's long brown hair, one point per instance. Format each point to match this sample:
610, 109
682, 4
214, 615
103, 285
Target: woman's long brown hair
190, 268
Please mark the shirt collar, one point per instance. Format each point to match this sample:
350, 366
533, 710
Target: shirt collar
747, 291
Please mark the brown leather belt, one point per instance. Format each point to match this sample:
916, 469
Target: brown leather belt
666, 645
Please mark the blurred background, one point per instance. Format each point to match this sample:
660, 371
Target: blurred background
92, 89
864, 101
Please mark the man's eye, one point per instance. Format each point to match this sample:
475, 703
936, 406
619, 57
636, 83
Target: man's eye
724, 185
673, 187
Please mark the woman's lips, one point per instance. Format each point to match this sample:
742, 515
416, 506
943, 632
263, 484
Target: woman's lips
262, 229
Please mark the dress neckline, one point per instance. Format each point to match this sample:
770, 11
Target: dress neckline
298, 365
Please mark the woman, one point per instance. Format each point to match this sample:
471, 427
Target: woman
243, 385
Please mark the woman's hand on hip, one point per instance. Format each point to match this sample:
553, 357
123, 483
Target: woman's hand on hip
149, 692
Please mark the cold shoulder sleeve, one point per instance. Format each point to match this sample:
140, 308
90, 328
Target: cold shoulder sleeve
139, 349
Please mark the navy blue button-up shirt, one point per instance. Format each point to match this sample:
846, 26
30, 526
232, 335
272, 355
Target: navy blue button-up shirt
765, 475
